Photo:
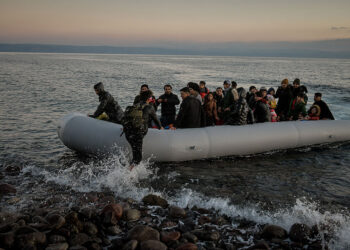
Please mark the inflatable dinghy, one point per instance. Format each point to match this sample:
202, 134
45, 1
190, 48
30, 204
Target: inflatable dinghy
87, 135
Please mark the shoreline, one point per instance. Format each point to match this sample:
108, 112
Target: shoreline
101, 221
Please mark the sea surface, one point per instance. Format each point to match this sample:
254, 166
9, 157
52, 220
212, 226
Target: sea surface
308, 185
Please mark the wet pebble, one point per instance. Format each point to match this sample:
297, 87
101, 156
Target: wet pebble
132, 214
273, 231
155, 200
177, 212
152, 245
142, 233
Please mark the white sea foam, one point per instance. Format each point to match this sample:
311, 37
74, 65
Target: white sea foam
112, 174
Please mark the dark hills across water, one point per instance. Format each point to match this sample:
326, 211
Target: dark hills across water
316, 49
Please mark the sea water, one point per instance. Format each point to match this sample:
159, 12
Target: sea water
309, 185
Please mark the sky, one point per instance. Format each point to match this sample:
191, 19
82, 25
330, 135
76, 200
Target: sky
162, 22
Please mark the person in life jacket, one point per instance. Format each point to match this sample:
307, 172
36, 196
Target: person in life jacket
135, 124
203, 91
109, 108
314, 113
271, 101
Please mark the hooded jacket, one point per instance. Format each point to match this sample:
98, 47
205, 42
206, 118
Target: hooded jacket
191, 114
108, 105
262, 112
325, 111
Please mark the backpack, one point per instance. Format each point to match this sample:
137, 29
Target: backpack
133, 118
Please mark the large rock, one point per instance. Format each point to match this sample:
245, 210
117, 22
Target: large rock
130, 245
299, 233
90, 228
143, 233
155, 200
114, 230
187, 246
167, 237
261, 245
177, 212
112, 213
56, 221
190, 237
207, 235
54, 239
58, 246
153, 245
7, 189
30, 239
132, 214
79, 239
273, 231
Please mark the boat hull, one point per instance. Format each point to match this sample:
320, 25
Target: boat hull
92, 136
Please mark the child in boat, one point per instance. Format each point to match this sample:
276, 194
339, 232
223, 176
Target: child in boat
314, 112
203, 91
271, 101
210, 110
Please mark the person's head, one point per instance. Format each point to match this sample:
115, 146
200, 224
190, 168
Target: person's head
300, 97
233, 84
98, 87
219, 91
313, 110
146, 96
241, 92
258, 96
317, 97
193, 87
202, 84
263, 91
144, 87
296, 83
209, 96
284, 83
227, 84
167, 89
184, 92
271, 91
252, 89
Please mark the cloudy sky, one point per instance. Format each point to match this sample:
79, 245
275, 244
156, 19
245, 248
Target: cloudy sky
157, 22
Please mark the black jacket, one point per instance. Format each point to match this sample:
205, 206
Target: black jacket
262, 112
191, 114
325, 111
109, 106
284, 96
168, 108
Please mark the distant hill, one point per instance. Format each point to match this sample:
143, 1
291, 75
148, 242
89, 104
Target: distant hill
318, 49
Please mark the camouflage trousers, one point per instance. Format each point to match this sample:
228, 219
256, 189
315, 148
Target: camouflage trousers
135, 140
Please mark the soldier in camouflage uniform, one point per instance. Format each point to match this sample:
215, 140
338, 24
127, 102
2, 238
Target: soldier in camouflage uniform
135, 135
109, 108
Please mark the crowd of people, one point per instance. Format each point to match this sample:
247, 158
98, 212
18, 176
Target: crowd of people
227, 105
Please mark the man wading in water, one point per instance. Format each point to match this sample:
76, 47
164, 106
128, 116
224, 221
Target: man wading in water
136, 122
